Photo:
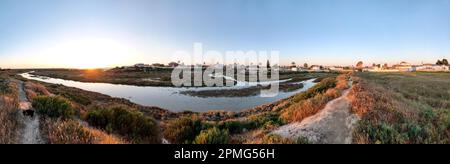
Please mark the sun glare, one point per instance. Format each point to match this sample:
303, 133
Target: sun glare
89, 53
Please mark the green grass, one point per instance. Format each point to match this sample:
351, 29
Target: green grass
401, 108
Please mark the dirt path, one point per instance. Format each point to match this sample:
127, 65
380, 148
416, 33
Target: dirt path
30, 134
332, 125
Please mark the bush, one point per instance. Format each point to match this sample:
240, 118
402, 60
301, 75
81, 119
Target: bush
53, 106
183, 130
126, 122
72, 132
67, 132
303, 140
276, 139
267, 120
213, 136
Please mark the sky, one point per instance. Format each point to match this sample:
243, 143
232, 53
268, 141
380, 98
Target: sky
107, 33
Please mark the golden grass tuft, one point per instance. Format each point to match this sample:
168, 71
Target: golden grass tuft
9, 123
73, 132
35, 89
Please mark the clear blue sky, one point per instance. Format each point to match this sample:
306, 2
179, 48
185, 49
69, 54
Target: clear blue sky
36, 33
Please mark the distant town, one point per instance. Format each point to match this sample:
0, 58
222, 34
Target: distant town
439, 66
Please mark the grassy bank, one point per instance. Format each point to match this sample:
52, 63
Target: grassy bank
402, 108
254, 125
64, 117
9, 122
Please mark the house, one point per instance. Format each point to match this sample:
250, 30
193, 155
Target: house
140, 65
431, 67
173, 64
295, 69
404, 67
336, 68
157, 65
315, 68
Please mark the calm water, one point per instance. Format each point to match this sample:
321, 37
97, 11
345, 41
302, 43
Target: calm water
169, 97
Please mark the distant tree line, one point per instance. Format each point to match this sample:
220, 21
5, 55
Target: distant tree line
443, 62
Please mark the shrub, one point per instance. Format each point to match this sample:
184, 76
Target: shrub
234, 126
213, 136
267, 120
66, 132
53, 106
303, 140
4, 87
276, 139
126, 122
183, 130
72, 132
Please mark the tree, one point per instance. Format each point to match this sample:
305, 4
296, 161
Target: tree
374, 65
439, 62
444, 61
305, 65
268, 64
359, 66
385, 65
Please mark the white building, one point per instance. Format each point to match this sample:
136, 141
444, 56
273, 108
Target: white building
315, 68
336, 68
431, 67
140, 65
404, 67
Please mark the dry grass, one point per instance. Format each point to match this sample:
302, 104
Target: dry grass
9, 123
303, 108
35, 89
401, 108
73, 132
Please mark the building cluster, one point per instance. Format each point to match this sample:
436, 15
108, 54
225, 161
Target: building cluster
407, 67
440, 66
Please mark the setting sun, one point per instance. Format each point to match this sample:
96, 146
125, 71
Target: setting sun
89, 53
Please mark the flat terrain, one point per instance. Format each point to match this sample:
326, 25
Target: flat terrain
400, 108
292, 84
159, 77
410, 107
156, 77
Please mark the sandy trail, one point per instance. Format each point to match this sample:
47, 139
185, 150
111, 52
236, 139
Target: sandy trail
30, 134
332, 125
